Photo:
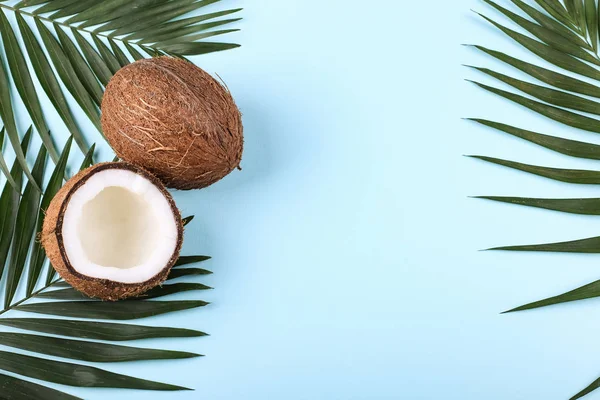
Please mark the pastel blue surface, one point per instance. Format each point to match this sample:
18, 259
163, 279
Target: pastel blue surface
346, 252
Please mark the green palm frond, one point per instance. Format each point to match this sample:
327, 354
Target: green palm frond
60, 336
77, 46
564, 34
82, 44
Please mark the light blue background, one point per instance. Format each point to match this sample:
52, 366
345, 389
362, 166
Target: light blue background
345, 252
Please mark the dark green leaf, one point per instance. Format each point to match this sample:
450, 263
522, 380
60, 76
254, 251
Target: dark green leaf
174, 27
552, 96
88, 160
554, 8
24, 83
97, 330
593, 386
591, 17
165, 290
178, 273
193, 38
152, 16
38, 255
159, 291
580, 16
548, 36
26, 221
133, 51
563, 175
196, 48
93, 58
570, 4
180, 34
68, 75
552, 78
573, 206
9, 205
555, 113
109, 58
184, 260
106, 310
8, 117
48, 80
54, 5
552, 24
565, 146
119, 54
18, 389
73, 8
589, 246
125, 8
187, 220
3, 165
85, 350
588, 291
548, 53
29, 3
74, 374
99, 8
80, 66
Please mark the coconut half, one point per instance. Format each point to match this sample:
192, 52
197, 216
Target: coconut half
113, 231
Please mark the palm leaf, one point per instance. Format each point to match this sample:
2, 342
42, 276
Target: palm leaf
77, 46
27, 212
15, 388
38, 255
9, 206
49, 81
568, 147
564, 35
185, 260
159, 291
585, 246
8, 117
24, 83
74, 374
97, 330
86, 350
178, 273
85, 69
106, 310
26, 220
545, 75
588, 291
580, 176
572, 206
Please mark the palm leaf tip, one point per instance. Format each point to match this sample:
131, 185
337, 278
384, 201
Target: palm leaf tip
583, 246
589, 291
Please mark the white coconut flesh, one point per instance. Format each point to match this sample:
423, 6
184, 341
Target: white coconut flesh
119, 226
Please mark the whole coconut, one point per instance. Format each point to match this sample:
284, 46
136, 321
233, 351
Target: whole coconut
175, 120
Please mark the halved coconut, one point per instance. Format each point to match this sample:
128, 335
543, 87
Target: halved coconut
113, 231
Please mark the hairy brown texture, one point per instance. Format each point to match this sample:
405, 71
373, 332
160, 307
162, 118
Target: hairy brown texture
174, 119
52, 239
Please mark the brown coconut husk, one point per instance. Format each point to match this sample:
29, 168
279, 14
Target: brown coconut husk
174, 119
52, 239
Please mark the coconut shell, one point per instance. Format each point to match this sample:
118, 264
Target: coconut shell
52, 239
175, 120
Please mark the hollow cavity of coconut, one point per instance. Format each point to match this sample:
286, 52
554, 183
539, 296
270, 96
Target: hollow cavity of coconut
113, 231
175, 120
